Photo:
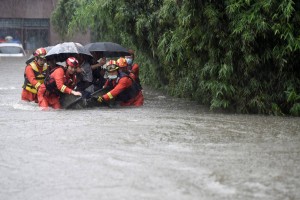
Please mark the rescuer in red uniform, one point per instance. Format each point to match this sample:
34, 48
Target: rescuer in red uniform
34, 75
58, 82
123, 67
123, 87
133, 67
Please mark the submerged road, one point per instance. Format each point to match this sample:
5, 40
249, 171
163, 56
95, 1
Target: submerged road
168, 149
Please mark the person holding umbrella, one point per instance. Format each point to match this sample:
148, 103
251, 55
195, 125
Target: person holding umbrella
58, 81
34, 75
103, 50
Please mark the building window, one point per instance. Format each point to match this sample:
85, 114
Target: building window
32, 33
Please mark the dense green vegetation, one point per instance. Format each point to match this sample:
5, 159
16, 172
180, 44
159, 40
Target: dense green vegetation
240, 55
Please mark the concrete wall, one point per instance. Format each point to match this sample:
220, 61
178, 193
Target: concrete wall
37, 9
26, 8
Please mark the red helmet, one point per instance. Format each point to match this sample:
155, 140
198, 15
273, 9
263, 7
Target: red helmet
121, 62
72, 62
111, 65
111, 62
41, 52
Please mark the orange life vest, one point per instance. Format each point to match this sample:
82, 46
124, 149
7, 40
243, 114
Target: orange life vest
40, 77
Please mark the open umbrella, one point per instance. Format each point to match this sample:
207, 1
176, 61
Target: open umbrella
107, 49
64, 50
31, 58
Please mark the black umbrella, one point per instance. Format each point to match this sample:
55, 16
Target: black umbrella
64, 50
107, 49
31, 58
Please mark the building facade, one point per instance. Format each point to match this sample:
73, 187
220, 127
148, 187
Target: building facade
28, 22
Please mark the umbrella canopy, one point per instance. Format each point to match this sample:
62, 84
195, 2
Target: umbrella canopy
64, 50
107, 49
31, 58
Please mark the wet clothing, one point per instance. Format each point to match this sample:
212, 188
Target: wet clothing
138, 100
71, 81
34, 76
85, 79
55, 83
124, 90
98, 78
135, 69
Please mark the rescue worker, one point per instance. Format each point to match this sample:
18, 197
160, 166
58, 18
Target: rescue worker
133, 67
123, 87
71, 75
123, 67
60, 80
34, 75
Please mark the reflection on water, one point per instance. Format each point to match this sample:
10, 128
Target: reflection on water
168, 149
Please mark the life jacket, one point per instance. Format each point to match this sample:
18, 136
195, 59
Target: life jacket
71, 81
39, 76
136, 80
50, 83
129, 92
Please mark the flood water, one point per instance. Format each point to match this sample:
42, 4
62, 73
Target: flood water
169, 149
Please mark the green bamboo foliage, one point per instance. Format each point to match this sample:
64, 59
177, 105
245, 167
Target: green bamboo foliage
240, 55
62, 16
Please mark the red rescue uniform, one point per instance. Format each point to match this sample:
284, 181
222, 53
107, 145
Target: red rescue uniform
124, 90
135, 69
34, 76
50, 97
134, 73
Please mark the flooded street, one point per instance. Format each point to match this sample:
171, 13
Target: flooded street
168, 149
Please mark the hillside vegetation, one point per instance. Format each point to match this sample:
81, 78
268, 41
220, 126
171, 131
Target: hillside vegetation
238, 55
